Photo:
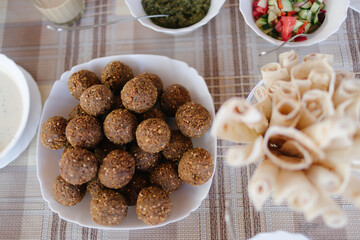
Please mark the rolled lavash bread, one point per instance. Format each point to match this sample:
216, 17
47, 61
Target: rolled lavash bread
342, 75
245, 154
349, 108
263, 99
316, 106
350, 154
290, 149
347, 89
296, 189
332, 133
239, 121
285, 112
288, 59
326, 207
329, 58
352, 191
323, 79
273, 71
262, 183
287, 90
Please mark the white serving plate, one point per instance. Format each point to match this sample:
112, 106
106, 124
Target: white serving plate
60, 102
9, 68
137, 10
336, 12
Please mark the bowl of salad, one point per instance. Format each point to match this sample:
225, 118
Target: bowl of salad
278, 20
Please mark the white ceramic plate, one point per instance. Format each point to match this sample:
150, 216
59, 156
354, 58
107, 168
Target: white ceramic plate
336, 12
137, 10
32, 122
60, 102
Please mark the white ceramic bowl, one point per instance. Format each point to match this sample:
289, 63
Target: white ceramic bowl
60, 102
136, 10
336, 12
11, 129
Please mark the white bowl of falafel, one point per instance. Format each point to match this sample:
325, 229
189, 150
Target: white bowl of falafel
124, 143
184, 16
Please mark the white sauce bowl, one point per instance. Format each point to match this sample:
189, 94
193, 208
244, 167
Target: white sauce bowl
14, 104
137, 10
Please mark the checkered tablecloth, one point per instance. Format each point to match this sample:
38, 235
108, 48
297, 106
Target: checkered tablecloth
224, 52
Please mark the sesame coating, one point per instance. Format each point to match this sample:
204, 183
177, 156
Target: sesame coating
67, 194
78, 165
108, 208
117, 169
193, 120
177, 146
139, 95
77, 111
120, 126
115, 74
196, 166
153, 205
172, 98
94, 186
79, 81
152, 135
84, 131
52, 134
153, 113
155, 79
144, 161
131, 191
166, 176
97, 100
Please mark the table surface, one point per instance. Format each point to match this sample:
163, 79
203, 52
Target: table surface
224, 52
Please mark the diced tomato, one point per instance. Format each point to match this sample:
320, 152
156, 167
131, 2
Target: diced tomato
258, 11
291, 13
279, 26
288, 24
279, 4
302, 28
300, 39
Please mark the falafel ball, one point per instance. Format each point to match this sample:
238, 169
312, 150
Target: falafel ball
153, 205
81, 80
67, 194
117, 169
77, 111
155, 79
115, 74
105, 147
172, 98
84, 132
193, 120
108, 208
132, 189
144, 161
166, 176
120, 126
139, 95
52, 134
94, 186
196, 166
97, 100
153, 113
78, 165
152, 135
177, 146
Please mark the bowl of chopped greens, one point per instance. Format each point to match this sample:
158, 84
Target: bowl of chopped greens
278, 20
184, 16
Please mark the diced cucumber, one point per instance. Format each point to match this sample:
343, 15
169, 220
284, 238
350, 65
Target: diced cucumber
304, 14
262, 3
272, 16
272, 3
297, 25
260, 22
300, 0
322, 6
309, 16
307, 27
313, 27
315, 18
297, 9
306, 5
287, 5
316, 6
266, 27
267, 30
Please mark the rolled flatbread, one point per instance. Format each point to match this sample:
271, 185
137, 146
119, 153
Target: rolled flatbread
245, 154
332, 133
352, 191
345, 155
262, 183
285, 112
346, 90
273, 88
341, 75
288, 59
316, 106
290, 149
323, 78
319, 56
273, 71
300, 74
264, 103
349, 108
294, 187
